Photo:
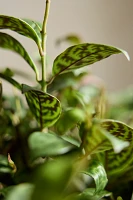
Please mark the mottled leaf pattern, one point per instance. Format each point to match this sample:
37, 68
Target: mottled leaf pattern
97, 172
11, 80
82, 55
37, 26
119, 162
45, 107
8, 42
95, 139
19, 26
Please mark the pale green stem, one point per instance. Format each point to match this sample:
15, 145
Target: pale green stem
44, 37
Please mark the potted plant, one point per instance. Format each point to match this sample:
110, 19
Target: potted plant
60, 145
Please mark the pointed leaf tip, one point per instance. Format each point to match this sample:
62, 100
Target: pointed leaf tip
126, 54
82, 55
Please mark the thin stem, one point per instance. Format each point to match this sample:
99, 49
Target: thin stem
44, 38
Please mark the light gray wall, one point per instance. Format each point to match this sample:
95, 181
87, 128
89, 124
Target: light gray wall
99, 21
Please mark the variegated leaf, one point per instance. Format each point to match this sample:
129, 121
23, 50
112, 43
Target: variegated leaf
118, 163
97, 172
11, 80
95, 139
8, 42
19, 26
82, 55
45, 107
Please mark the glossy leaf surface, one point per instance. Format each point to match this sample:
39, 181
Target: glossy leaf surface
97, 172
119, 162
45, 107
82, 55
19, 26
8, 42
41, 144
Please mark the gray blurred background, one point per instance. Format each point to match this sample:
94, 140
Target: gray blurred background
97, 21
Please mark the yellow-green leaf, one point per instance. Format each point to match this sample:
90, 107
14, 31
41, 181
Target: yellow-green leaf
82, 55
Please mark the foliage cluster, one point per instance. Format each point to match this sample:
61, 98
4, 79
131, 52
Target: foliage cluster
61, 146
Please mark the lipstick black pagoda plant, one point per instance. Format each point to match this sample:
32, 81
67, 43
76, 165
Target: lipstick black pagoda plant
60, 147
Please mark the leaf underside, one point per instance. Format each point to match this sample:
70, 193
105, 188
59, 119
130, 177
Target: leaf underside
82, 55
45, 107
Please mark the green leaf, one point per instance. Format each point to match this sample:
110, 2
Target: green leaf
69, 119
82, 55
41, 144
119, 163
19, 26
68, 80
5, 191
97, 172
53, 178
96, 139
8, 42
118, 129
89, 194
37, 26
11, 80
45, 107
22, 192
